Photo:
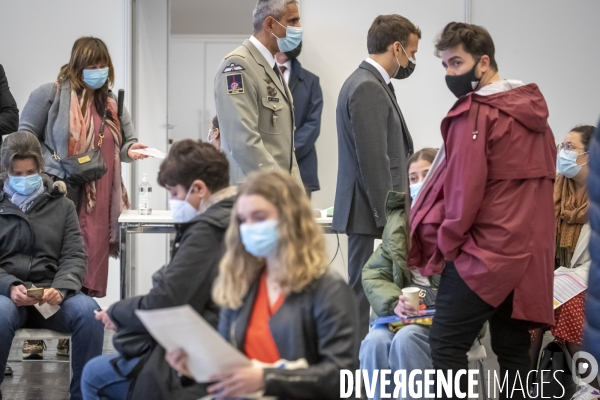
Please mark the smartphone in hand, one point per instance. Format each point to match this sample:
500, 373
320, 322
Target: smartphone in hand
36, 293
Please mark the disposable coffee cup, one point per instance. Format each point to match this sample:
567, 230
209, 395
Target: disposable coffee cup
412, 294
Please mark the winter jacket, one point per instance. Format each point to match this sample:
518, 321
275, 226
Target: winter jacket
591, 335
318, 324
386, 272
188, 278
42, 246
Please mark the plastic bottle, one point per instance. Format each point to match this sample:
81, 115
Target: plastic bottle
145, 197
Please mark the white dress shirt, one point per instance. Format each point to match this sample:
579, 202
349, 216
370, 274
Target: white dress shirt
264, 51
382, 71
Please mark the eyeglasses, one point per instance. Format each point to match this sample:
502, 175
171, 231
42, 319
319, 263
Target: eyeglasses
568, 147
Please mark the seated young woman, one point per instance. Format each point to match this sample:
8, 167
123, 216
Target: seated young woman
384, 276
197, 178
280, 301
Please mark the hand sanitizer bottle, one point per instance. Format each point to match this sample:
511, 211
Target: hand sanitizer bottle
145, 197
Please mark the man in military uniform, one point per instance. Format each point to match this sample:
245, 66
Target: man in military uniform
254, 104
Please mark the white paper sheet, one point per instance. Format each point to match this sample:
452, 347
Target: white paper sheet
568, 283
47, 310
182, 327
151, 152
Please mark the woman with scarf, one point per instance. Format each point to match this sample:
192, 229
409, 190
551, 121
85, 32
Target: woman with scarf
72, 116
572, 237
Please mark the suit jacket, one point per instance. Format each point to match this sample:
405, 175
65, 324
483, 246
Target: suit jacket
373, 149
255, 112
9, 113
591, 335
308, 106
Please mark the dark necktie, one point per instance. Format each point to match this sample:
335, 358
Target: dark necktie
392, 89
278, 73
283, 68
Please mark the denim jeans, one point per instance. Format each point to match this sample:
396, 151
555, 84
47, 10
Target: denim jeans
76, 316
407, 349
100, 381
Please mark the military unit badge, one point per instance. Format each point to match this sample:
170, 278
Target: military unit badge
235, 84
233, 67
271, 91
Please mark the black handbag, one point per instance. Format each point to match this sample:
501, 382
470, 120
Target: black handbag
86, 167
426, 293
554, 373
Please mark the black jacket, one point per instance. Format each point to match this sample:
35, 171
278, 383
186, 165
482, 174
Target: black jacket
9, 113
189, 277
42, 246
308, 106
373, 150
319, 324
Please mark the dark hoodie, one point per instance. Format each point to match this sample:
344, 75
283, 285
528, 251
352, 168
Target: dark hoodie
42, 246
490, 207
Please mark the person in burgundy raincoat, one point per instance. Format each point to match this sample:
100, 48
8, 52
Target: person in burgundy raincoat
485, 216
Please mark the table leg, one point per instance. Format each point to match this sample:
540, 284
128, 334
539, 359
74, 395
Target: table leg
124, 264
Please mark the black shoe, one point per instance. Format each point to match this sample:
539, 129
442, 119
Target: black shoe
8, 371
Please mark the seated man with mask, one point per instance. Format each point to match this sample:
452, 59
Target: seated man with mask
197, 178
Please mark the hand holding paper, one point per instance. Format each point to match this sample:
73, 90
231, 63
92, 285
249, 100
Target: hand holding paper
150, 152
181, 327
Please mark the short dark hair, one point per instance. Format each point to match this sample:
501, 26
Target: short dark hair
189, 160
475, 39
388, 29
215, 122
586, 132
21, 145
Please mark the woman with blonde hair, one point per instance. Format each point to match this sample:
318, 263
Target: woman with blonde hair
72, 117
281, 306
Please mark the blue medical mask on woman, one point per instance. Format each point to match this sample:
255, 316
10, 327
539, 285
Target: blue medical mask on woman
260, 238
95, 78
182, 211
292, 39
415, 188
25, 185
566, 163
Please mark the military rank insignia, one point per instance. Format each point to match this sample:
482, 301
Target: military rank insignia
235, 84
232, 68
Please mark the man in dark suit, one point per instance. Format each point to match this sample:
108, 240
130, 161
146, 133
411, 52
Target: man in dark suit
9, 113
308, 106
373, 143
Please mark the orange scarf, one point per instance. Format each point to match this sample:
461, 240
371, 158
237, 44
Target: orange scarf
570, 208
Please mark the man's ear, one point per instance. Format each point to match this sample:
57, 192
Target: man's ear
484, 63
268, 24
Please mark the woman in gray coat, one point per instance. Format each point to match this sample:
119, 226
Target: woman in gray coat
72, 116
41, 245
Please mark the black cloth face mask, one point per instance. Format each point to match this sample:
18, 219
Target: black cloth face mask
463, 84
405, 72
293, 54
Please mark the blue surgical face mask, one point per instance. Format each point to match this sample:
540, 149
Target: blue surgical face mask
182, 211
292, 39
415, 188
260, 238
566, 163
95, 78
25, 185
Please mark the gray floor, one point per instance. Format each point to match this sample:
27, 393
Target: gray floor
41, 380
49, 379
